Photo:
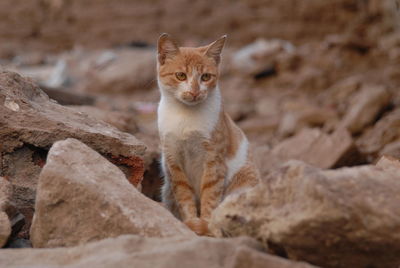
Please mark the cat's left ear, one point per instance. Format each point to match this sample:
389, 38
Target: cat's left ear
215, 48
167, 48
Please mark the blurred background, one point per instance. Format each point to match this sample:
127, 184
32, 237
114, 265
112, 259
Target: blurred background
311, 80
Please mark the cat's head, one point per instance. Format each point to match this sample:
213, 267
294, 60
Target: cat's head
189, 74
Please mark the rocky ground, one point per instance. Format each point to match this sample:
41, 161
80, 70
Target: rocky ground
320, 105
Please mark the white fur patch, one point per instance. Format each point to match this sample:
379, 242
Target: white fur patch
177, 118
237, 162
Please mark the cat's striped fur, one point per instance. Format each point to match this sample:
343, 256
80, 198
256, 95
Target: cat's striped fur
205, 156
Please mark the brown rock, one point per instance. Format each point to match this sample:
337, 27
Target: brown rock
339, 94
391, 149
346, 217
135, 251
29, 117
364, 107
122, 121
130, 69
308, 116
312, 145
82, 197
260, 55
385, 131
30, 123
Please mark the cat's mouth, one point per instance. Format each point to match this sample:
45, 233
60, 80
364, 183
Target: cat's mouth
191, 102
192, 99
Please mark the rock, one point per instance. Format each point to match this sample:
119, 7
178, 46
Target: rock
391, 149
312, 145
388, 162
259, 55
30, 123
385, 131
65, 97
122, 121
29, 117
364, 108
135, 251
129, 70
339, 94
307, 116
346, 217
82, 197
5, 197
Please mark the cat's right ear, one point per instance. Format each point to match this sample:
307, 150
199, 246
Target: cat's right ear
167, 48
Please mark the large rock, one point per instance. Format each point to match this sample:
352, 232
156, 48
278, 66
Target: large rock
30, 117
82, 197
364, 107
135, 251
317, 148
5, 197
30, 123
347, 217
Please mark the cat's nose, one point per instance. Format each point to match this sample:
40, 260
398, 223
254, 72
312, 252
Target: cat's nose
194, 94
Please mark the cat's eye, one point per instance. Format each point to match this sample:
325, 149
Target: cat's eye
205, 77
180, 76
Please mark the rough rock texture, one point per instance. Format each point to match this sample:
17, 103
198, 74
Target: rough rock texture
312, 145
82, 197
385, 131
30, 123
5, 197
136, 251
29, 116
364, 107
347, 217
122, 121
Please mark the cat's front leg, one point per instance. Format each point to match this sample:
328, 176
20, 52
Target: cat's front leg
212, 183
183, 192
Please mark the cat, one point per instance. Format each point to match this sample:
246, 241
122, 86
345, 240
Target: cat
204, 155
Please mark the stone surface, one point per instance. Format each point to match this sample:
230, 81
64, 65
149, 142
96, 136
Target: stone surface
129, 70
135, 251
260, 55
29, 117
122, 121
364, 107
385, 131
30, 123
346, 217
305, 116
312, 145
5, 198
82, 197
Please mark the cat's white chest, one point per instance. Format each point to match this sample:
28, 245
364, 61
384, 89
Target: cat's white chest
180, 120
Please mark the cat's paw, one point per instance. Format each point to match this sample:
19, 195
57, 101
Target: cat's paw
199, 226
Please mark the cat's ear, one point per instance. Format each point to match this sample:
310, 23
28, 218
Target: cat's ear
215, 48
167, 48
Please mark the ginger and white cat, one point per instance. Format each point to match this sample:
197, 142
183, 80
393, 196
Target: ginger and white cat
205, 156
